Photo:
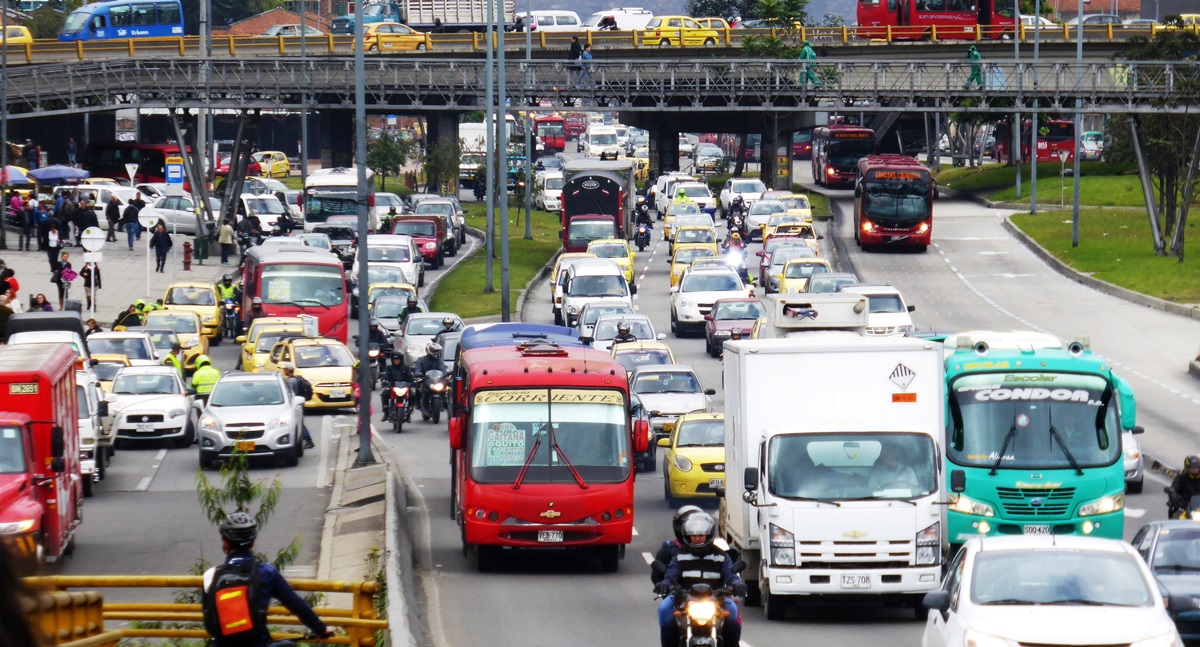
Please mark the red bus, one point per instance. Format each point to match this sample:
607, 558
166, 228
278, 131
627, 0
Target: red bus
543, 451
836, 150
551, 133
574, 124
915, 19
108, 159
893, 202
296, 282
1055, 135
802, 144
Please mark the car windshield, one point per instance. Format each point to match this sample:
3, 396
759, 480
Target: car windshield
591, 314
267, 340
317, 240
692, 221
701, 433
803, 270
609, 251
682, 208
695, 236
388, 200
423, 325
709, 150
552, 162
827, 284
191, 297
711, 283
673, 382
1024, 420
131, 348
389, 254
106, 371
185, 325
739, 310
12, 450
781, 257
439, 208
261, 205
748, 186
610, 285
553, 184
162, 339
581, 231
607, 329
338, 233
633, 359
410, 228
1066, 577
885, 303
767, 207
246, 393
785, 219
606, 139
896, 201
145, 384
695, 191
1177, 551
686, 256
389, 308
321, 356
796, 203
380, 292
304, 285
382, 274
859, 465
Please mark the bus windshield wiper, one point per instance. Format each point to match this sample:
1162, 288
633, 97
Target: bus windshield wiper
1008, 438
1063, 444
301, 302
566, 461
528, 461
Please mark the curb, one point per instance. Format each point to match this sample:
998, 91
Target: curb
841, 260
523, 299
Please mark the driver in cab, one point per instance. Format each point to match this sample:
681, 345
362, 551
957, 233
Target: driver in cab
891, 471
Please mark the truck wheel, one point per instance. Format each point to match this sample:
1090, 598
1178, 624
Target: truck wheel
88, 482
102, 454
772, 606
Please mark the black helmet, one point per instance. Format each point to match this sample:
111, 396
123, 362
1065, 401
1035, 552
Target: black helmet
1190, 462
699, 524
678, 518
397, 356
239, 529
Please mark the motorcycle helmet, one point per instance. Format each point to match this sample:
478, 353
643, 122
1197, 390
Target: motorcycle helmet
699, 530
433, 349
448, 322
203, 361
412, 301
239, 529
623, 328
228, 278
735, 237
678, 518
397, 357
1189, 463
256, 301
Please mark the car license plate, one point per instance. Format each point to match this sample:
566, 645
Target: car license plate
144, 426
550, 536
245, 445
1037, 530
856, 581
337, 394
716, 483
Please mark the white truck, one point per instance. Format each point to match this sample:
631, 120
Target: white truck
803, 314
833, 468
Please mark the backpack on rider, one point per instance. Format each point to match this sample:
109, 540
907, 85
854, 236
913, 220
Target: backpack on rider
233, 611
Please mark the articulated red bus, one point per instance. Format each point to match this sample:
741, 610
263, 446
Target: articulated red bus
551, 133
893, 202
296, 282
108, 159
543, 451
836, 150
916, 19
1056, 135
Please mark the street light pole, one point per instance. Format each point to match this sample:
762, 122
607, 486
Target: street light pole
529, 122
4, 179
502, 149
489, 158
1078, 124
1033, 116
1016, 131
304, 97
360, 161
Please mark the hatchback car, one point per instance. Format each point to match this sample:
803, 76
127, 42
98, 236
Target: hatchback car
606, 326
668, 392
200, 298
797, 271
616, 250
327, 365
678, 31
831, 282
759, 213
682, 256
1172, 551
727, 316
254, 414
418, 330
632, 354
590, 312
261, 337
692, 300
694, 462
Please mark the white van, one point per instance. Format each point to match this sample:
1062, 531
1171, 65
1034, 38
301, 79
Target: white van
627, 18
549, 186
553, 20
597, 138
594, 281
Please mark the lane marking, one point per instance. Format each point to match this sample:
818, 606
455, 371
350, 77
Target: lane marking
635, 533
1135, 513
648, 557
144, 484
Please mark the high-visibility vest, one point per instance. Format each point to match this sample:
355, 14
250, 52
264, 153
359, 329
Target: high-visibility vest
204, 378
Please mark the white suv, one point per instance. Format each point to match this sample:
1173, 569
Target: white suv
888, 313
594, 281
699, 193
255, 413
698, 290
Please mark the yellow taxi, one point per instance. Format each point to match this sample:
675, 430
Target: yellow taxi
394, 37
402, 290
796, 273
678, 31
756, 330
683, 256
106, 366
16, 35
694, 463
798, 205
804, 232
261, 338
719, 24
105, 181
688, 208
616, 250
273, 163
200, 298
186, 326
688, 234
632, 354
785, 222
326, 363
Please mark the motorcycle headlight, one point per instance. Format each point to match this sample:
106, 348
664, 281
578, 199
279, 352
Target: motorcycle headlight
373, 353
702, 612
437, 387
965, 505
1104, 505
17, 527
683, 463
400, 391
176, 413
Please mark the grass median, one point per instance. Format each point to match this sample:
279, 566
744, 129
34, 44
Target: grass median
1115, 246
461, 290
1100, 183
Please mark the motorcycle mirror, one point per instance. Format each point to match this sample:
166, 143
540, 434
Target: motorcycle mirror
739, 566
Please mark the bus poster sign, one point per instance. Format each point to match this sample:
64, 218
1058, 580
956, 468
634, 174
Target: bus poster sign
309, 324
174, 169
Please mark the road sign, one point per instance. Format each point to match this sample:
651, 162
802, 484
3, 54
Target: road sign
93, 257
131, 169
92, 239
174, 168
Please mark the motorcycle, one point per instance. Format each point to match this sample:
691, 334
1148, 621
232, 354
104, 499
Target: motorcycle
736, 261
738, 224
1177, 508
737, 207
433, 395
231, 315
642, 237
375, 357
700, 611
399, 408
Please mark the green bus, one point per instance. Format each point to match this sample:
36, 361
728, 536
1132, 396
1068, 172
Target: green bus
1033, 437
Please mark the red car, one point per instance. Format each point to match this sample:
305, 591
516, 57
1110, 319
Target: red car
728, 315
424, 232
253, 168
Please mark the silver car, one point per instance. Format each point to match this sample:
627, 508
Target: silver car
152, 403
255, 413
668, 391
418, 330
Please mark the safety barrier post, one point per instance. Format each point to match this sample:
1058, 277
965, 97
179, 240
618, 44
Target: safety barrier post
978, 33
728, 37
282, 47
79, 49
1110, 32
232, 48
364, 608
329, 41
542, 39
28, 52
933, 37
182, 46
845, 34
129, 44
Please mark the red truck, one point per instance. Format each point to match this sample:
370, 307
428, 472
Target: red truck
41, 482
429, 235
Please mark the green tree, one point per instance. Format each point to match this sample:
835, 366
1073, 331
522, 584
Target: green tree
785, 18
388, 154
441, 164
833, 19
46, 23
745, 9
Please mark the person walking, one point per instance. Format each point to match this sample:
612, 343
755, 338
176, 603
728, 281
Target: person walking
976, 76
225, 239
87, 218
302, 388
53, 242
71, 151
29, 232
161, 243
129, 222
90, 272
807, 53
138, 204
62, 276
112, 214
585, 66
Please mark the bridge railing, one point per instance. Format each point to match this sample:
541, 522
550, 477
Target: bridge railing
249, 46
78, 618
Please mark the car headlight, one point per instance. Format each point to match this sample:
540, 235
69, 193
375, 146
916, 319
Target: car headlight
430, 246
907, 328
683, 463
966, 505
1132, 453
192, 343
929, 545
209, 319
1165, 640
974, 638
702, 612
572, 310
280, 421
175, 413
17, 527
684, 303
208, 423
783, 547
1104, 505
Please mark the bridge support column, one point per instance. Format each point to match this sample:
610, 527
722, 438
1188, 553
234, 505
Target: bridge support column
664, 148
775, 170
441, 129
337, 138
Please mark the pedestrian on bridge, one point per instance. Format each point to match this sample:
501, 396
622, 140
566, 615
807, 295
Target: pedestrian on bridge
807, 53
976, 68
585, 66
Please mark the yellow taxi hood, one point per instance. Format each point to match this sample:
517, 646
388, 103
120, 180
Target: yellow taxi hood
323, 374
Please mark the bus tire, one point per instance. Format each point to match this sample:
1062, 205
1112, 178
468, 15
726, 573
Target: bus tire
610, 558
487, 558
922, 248
88, 483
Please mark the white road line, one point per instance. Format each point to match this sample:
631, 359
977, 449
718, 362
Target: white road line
325, 441
635, 532
648, 557
162, 453
144, 484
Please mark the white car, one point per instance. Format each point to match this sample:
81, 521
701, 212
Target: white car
254, 413
418, 330
668, 391
152, 403
665, 191
693, 298
749, 189
686, 147
586, 321
1008, 591
399, 252
134, 345
606, 329
594, 281
889, 314
699, 193
95, 446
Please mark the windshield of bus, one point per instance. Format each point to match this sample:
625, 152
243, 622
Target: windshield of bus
191, 297
581, 231
550, 129
1068, 577
549, 429
145, 384
12, 450
1025, 420
133, 348
845, 153
75, 22
322, 356
603, 139
302, 285
390, 254
896, 201
318, 208
842, 466
415, 228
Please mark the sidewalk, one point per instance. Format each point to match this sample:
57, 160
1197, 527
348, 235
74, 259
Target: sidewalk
122, 274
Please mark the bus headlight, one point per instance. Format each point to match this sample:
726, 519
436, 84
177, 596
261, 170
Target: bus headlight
17, 527
966, 505
1105, 505
923, 228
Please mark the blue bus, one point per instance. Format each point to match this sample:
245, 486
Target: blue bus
124, 19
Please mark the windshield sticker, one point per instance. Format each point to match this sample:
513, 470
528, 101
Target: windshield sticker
1022, 421
279, 290
1058, 395
505, 445
559, 396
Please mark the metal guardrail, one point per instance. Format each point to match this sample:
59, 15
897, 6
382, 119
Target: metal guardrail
77, 618
48, 51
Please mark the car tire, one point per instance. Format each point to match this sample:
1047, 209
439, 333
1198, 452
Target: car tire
610, 558
558, 320
207, 462
188, 437
672, 502
1134, 487
292, 458
421, 279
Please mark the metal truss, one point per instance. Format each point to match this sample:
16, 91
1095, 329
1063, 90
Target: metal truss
709, 85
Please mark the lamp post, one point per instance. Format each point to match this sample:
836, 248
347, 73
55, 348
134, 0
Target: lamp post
1078, 123
1033, 116
304, 97
1016, 132
360, 161
529, 122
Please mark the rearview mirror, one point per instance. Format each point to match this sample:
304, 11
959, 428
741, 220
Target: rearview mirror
664, 442
641, 436
632, 288
936, 601
662, 335
710, 391
102, 409
57, 443
958, 480
750, 478
456, 432
241, 339
912, 308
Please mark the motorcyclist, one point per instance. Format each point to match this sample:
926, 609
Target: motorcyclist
375, 335
737, 223
643, 218
671, 547
449, 325
256, 311
227, 290
737, 205
431, 360
700, 562
735, 243
411, 308
396, 372
623, 334
285, 224
388, 219
1185, 486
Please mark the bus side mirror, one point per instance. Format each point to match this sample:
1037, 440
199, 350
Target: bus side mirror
58, 444
750, 478
858, 191
958, 480
102, 409
456, 433
641, 436
57, 465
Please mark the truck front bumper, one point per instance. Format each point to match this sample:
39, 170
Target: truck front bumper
911, 580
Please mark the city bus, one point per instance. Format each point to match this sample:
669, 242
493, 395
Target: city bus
542, 447
298, 281
1033, 437
123, 19
916, 19
334, 192
1054, 135
108, 159
551, 133
893, 202
836, 150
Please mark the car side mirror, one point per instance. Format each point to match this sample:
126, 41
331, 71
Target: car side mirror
192, 392
858, 191
912, 308
241, 339
1137, 429
674, 289
958, 480
661, 336
937, 601
58, 445
632, 288
664, 442
820, 236
710, 391
102, 409
299, 400
750, 478
456, 432
641, 436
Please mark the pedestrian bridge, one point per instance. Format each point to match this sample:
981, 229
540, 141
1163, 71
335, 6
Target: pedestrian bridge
401, 85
